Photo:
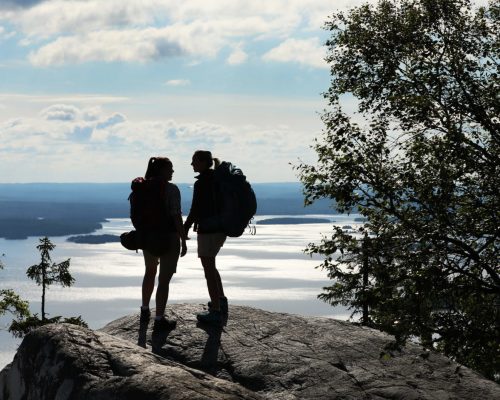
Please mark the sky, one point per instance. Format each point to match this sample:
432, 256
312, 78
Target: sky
90, 89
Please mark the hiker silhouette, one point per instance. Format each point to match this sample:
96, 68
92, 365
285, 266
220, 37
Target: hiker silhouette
206, 195
156, 214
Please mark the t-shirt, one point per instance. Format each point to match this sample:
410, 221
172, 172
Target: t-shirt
173, 198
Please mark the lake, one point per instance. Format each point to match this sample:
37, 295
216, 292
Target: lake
267, 270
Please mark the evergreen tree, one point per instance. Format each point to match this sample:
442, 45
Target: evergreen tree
45, 274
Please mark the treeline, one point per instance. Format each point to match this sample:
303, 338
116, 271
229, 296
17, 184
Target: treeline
18, 220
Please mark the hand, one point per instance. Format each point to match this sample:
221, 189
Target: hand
183, 248
186, 231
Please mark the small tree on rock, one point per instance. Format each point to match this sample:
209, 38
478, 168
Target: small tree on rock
46, 273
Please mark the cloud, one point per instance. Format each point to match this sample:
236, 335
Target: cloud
110, 121
76, 31
303, 51
60, 112
70, 143
238, 56
131, 46
178, 82
198, 38
10, 4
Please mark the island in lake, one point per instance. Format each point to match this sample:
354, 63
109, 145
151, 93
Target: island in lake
293, 221
93, 239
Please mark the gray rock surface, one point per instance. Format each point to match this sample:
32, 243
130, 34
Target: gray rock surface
283, 356
257, 355
66, 362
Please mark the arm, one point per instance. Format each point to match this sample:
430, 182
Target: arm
180, 229
174, 207
193, 211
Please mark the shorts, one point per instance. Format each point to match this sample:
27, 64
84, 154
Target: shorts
209, 244
168, 261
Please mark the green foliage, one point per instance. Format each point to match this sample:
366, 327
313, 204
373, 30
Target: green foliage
422, 166
46, 273
10, 302
22, 327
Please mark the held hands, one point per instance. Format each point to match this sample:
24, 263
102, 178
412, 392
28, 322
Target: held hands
186, 230
183, 248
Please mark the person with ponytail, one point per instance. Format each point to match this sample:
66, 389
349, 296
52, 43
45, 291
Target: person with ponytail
160, 169
205, 205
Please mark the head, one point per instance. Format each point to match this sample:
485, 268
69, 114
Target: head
203, 160
159, 167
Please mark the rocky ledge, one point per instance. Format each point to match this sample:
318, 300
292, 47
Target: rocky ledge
257, 355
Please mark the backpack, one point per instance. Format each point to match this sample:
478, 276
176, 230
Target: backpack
149, 214
236, 202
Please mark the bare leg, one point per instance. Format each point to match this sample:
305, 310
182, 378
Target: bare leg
219, 282
162, 292
148, 282
213, 281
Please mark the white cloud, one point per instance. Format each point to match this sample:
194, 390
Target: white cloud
178, 82
198, 38
77, 31
92, 145
131, 45
70, 16
238, 56
60, 112
303, 51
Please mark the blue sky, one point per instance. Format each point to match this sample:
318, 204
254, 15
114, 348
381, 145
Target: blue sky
89, 90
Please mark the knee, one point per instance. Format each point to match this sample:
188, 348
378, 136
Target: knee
164, 279
150, 273
208, 263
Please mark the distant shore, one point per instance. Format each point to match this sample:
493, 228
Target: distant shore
293, 221
44, 209
93, 239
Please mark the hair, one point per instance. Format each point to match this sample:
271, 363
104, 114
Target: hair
156, 165
206, 156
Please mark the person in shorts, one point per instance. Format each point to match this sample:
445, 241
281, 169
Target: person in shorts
205, 205
162, 167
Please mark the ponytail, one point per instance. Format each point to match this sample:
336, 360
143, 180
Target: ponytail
206, 156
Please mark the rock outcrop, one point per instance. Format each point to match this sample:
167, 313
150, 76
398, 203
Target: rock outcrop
258, 354
66, 362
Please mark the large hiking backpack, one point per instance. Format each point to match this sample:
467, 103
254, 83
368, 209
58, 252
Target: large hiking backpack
147, 204
236, 202
149, 214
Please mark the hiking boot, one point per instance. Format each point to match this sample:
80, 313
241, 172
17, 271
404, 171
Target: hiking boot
164, 325
211, 317
224, 307
145, 314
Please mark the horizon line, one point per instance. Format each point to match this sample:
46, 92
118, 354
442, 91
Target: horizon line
122, 182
